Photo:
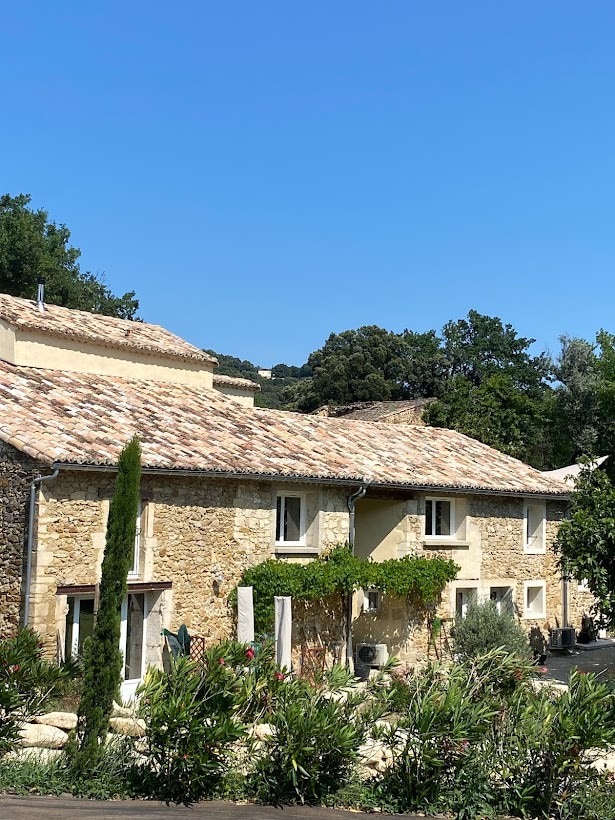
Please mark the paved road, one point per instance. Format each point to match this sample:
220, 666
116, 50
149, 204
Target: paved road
69, 808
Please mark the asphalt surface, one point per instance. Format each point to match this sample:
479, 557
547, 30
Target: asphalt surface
70, 808
598, 657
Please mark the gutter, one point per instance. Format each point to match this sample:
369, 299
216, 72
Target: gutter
352, 500
36, 482
339, 482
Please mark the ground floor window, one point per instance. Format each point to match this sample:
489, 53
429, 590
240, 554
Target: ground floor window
534, 599
502, 597
80, 625
464, 598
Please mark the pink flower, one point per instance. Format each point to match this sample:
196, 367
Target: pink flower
221, 661
279, 676
250, 653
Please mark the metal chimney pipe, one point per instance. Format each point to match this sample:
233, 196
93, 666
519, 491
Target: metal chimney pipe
40, 294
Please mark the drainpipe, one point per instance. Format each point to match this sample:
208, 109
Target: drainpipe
33, 487
352, 499
565, 579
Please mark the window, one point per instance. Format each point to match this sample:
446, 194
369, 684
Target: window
502, 598
290, 520
80, 625
534, 599
439, 518
583, 585
534, 528
133, 572
464, 598
371, 600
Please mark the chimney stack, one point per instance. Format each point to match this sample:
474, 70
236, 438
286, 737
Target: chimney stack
40, 295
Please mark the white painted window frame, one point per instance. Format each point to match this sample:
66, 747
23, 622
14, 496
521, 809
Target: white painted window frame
453, 535
499, 601
531, 549
283, 494
583, 585
528, 614
368, 601
74, 649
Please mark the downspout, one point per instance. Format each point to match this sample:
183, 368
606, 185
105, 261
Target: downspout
33, 487
352, 499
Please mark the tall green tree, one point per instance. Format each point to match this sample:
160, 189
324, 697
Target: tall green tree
586, 539
31, 246
102, 656
496, 391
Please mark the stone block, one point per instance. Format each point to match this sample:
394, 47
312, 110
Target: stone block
38, 735
61, 720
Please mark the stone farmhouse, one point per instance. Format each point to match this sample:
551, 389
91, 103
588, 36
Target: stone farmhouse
226, 485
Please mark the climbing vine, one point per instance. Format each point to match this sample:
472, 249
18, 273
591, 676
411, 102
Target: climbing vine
420, 580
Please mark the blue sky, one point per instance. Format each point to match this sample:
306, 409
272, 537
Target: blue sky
264, 174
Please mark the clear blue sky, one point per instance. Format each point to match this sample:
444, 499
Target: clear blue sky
263, 174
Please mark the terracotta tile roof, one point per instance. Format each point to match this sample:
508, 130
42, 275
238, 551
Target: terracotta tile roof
81, 418
235, 381
376, 410
101, 330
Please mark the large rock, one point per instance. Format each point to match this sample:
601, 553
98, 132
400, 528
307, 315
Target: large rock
33, 755
61, 720
261, 731
121, 711
375, 755
129, 727
37, 735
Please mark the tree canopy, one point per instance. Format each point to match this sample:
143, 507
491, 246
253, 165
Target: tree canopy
32, 246
586, 539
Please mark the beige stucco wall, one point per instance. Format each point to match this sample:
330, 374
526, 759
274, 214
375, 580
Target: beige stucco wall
33, 349
243, 397
7, 343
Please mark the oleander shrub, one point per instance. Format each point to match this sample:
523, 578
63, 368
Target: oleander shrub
27, 683
313, 748
191, 725
484, 628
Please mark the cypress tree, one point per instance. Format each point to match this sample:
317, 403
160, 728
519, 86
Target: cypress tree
102, 656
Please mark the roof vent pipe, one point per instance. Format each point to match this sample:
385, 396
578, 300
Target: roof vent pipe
40, 294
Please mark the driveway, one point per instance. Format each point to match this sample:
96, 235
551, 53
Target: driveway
70, 808
598, 657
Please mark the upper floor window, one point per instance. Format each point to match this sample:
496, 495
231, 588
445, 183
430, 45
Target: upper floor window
290, 519
135, 557
439, 517
534, 515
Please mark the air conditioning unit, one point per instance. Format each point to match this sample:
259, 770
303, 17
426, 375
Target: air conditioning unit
564, 638
372, 654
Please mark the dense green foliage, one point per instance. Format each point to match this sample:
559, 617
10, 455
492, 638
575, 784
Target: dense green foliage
340, 573
477, 739
27, 683
586, 539
484, 628
102, 657
32, 246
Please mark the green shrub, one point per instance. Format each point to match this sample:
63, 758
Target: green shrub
484, 628
189, 715
27, 683
313, 748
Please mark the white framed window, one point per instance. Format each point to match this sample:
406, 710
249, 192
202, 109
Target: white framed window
133, 572
583, 585
502, 597
534, 599
371, 600
80, 625
534, 518
440, 518
290, 519
464, 599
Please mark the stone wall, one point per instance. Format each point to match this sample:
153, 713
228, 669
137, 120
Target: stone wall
199, 535
16, 474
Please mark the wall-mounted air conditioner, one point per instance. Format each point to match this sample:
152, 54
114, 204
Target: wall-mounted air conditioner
372, 654
564, 638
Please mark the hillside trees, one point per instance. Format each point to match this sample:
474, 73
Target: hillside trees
31, 246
